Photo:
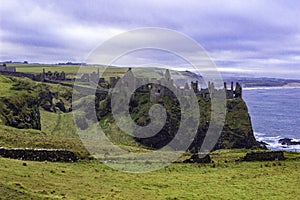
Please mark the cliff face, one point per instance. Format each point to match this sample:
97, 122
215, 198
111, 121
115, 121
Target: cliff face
20, 100
20, 111
237, 132
19, 105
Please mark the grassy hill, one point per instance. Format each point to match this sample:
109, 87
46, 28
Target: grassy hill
24, 124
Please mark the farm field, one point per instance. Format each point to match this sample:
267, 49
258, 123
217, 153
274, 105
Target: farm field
70, 70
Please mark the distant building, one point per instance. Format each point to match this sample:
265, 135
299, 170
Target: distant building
7, 69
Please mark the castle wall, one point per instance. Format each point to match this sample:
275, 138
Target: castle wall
19, 74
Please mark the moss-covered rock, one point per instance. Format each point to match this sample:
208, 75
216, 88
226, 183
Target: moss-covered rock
20, 111
19, 106
237, 131
21, 98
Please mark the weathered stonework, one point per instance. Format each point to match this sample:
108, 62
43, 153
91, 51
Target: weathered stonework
52, 155
264, 156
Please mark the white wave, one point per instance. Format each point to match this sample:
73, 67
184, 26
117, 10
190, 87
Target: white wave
295, 140
270, 88
273, 143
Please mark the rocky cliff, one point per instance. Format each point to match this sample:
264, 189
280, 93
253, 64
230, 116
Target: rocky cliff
237, 131
21, 98
19, 105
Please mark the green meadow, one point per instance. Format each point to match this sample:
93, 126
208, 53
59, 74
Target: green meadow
70, 70
224, 179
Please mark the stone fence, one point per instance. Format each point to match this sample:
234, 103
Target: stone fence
19, 74
53, 155
264, 156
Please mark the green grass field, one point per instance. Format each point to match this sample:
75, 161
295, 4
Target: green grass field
70, 70
224, 179
87, 180
5, 85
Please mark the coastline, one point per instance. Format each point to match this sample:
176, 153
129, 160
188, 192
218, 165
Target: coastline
287, 86
272, 125
273, 142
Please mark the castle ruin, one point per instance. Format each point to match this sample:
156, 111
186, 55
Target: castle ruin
156, 87
164, 86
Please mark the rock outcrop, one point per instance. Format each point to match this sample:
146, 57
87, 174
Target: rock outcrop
237, 131
20, 111
19, 105
288, 141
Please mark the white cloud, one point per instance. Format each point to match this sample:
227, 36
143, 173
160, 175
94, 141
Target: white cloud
253, 35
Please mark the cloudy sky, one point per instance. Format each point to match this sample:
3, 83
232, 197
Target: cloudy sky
258, 37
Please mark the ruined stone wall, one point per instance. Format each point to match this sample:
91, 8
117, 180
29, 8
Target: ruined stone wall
19, 74
264, 156
7, 69
52, 155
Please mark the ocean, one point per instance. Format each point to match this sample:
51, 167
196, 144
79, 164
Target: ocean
275, 114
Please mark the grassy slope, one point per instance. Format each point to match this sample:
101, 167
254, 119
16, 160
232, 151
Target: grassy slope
57, 129
85, 180
4, 89
5, 85
18, 103
55, 124
27, 138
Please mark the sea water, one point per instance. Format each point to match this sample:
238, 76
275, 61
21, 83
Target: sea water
275, 114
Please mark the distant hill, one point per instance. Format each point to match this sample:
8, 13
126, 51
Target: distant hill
264, 82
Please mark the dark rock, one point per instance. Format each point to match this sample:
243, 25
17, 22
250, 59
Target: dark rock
20, 111
263, 144
196, 158
61, 106
46, 100
237, 131
47, 106
264, 156
288, 141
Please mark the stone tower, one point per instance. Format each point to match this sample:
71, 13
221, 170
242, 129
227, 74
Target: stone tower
157, 91
194, 86
238, 90
168, 75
